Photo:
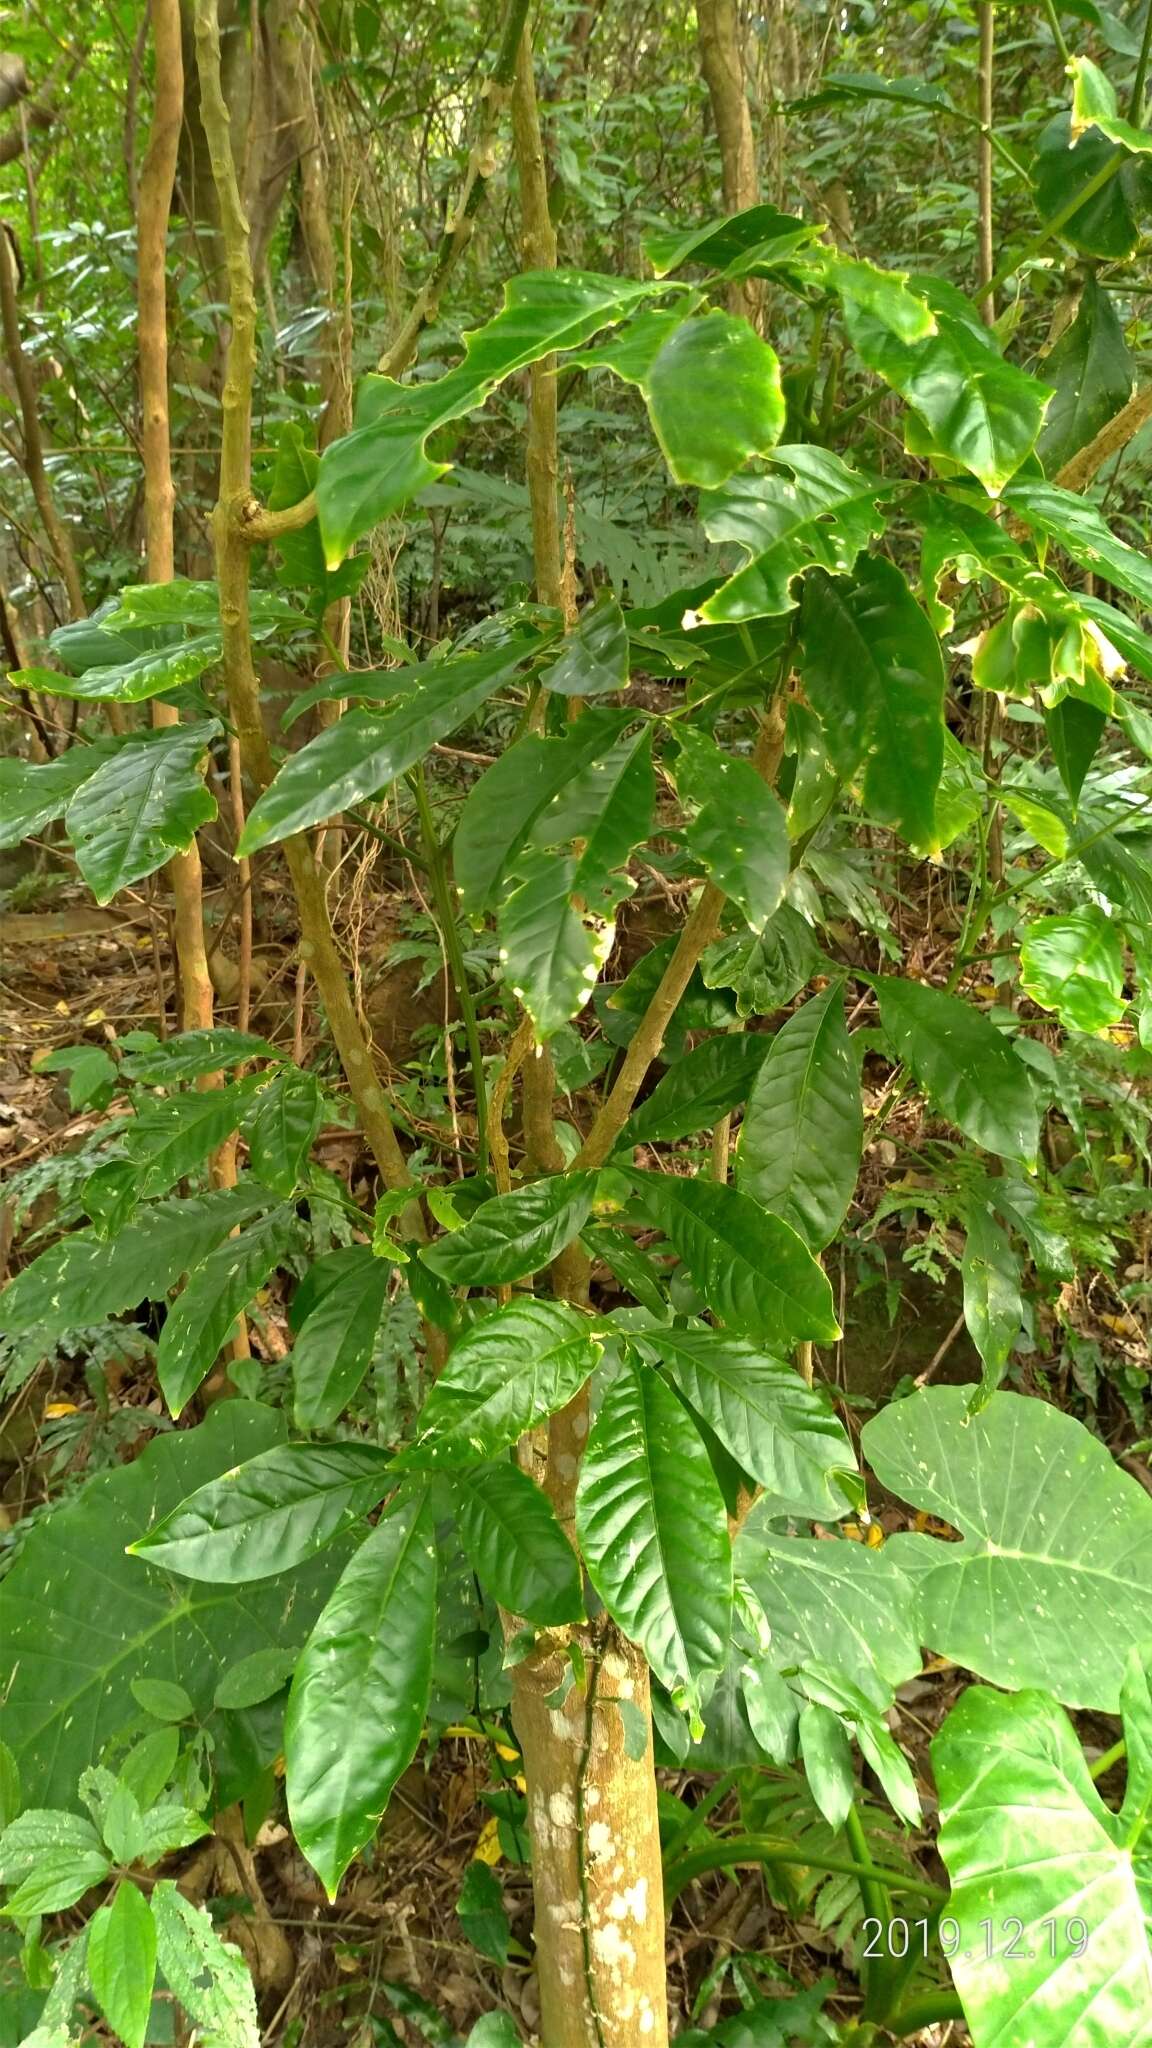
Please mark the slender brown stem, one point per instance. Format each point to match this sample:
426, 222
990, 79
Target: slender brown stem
538, 250
987, 254
57, 535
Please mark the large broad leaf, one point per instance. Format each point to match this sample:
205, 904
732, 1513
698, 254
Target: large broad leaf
501, 809
764, 972
358, 1700
367, 750
280, 1133
1094, 105
837, 1604
200, 1318
799, 1151
33, 793
192, 1054
966, 1067
595, 657
508, 1372
84, 1278
1075, 966
336, 1341
551, 950
719, 243
701, 1088
1078, 527
810, 510
207, 1976
873, 670
1093, 372
1108, 222
173, 1136
993, 1300
781, 1432
145, 675
980, 411
882, 293
517, 1548
372, 471
268, 1514
80, 1620
738, 832
751, 1267
1048, 1898
1052, 1583
515, 1234
607, 807
714, 398
653, 1531
140, 807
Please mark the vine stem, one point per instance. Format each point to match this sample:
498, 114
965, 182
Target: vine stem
722, 1855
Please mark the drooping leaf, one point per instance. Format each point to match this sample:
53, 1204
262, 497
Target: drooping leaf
800, 1140
141, 806
781, 1432
827, 1754
122, 1963
515, 1234
83, 1279
507, 1373
810, 510
1055, 1548
1076, 525
366, 750
993, 1300
200, 1318
80, 1620
551, 951
1094, 106
268, 1514
501, 809
595, 656
336, 1340
481, 1912
280, 1134
714, 398
1053, 1926
371, 472
710, 1080
607, 807
1075, 966
148, 674
838, 1604
738, 833
192, 1054
1074, 729
882, 293
873, 670
965, 1066
1092, 370
751, 1267
32, 794
174, 1136
517, 1548
208, 1976
719, 243
653, 1531
358, 1700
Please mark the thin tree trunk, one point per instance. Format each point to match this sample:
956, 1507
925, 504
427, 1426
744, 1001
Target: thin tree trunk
155, 201
58, 537
722, 62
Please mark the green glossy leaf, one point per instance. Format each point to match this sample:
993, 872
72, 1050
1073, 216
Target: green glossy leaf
181, 602
837, 1604
1027, 1839
1078, 527
827, 1754
505, 1374
192, 1054
966, 1067
751, 1268
162, 1698
122, 1963
1108, 222
710, 1080
358, 1700
714, 398
372, 471
10, 1797
175, 1136
515, 1234
632, 1266
255, 1678
60, 1878
268, 1514
481, 1912
208, 1977
882, 293
608, 809
993, 1300
41, 1832
764, 972
335, 1343
803, 1128
80, 1620
873, 670
33, 793
551, 952
1056, 1541
280, 1134
502, 808
145, 675
516, 1546
366, 750
1074, 729
140, 807
1094, 106
653, 1530
980, 411
595, 656
738, 833
809, 510
199, 1320
1093, 372
781, 1432
719, 243
1075, 966
83, 1279
869, 85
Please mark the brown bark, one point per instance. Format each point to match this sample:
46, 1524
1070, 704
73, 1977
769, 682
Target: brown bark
58, 537
722, 63
155, 200
538, 249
